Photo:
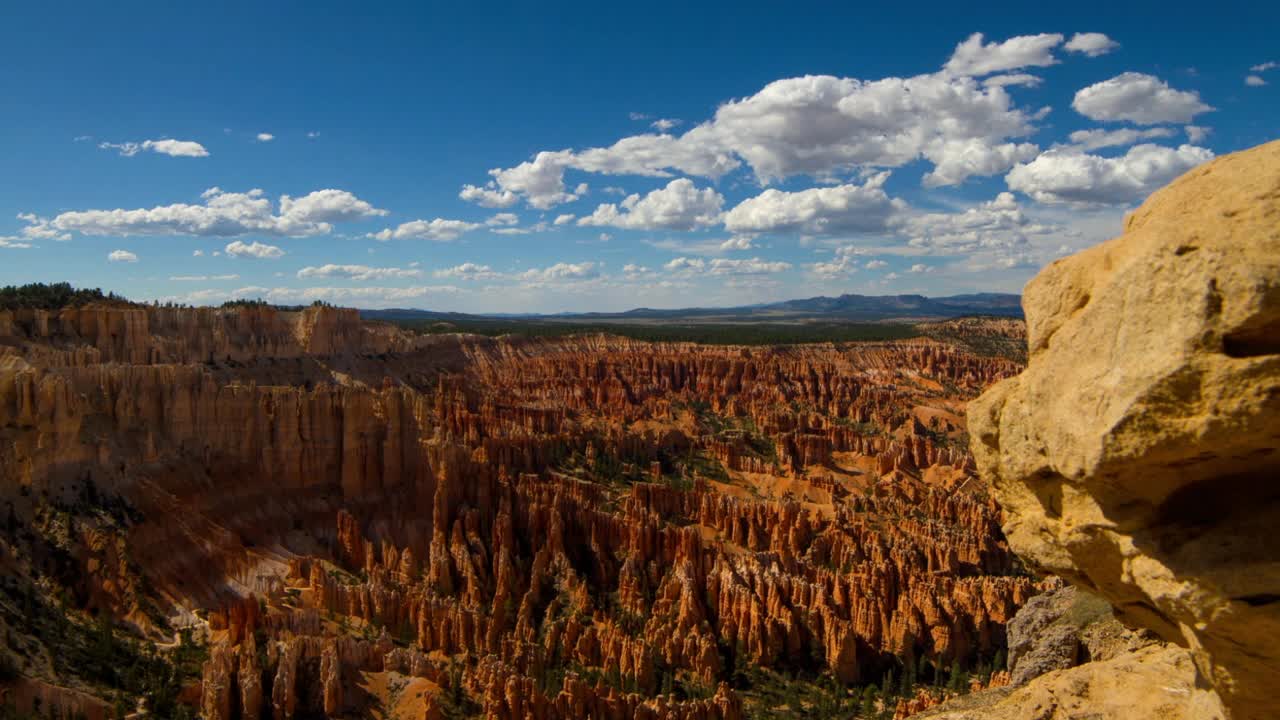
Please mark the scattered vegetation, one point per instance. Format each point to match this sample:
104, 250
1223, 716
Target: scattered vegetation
771, 693
455, 703
93, 650
756, 333
260, 303
990, 336
758, 443
55, 296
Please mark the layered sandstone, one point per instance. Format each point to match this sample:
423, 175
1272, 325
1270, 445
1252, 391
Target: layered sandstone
1137, 453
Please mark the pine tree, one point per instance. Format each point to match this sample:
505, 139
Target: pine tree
867, 709
956, 682
888, 687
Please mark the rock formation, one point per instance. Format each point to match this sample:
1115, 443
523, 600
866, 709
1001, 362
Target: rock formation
1064, 628
1136, 455
544, 529
1155, 682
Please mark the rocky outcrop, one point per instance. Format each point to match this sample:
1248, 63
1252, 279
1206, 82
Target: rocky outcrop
1064, 628
1155, 682
1136, 455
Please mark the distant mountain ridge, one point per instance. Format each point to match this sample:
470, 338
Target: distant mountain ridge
848, 307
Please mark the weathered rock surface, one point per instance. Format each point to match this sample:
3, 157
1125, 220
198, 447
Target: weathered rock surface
33, 697
1155, 682
1137, 454
1064, 628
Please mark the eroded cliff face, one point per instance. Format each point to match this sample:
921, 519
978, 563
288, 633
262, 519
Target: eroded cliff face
142, 335
585, 527
1137, 455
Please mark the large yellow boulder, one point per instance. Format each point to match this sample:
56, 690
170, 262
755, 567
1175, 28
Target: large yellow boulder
1139, 452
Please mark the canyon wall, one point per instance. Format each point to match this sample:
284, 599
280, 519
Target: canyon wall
163, 334
1137, 454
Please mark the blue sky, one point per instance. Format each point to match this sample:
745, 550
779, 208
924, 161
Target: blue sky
585, 156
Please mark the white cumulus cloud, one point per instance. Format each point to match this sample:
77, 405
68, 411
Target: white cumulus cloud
327, 206
202, 278
819, 125
173, 148
488, 196
439, 229
257, 250
1138, 98
750, 266
540, 181
1067, 176
1197, 133
1094, 139
1013, 80
357, 272
844, 263
468, 271
725, 266
842, 208
738, 242
678, 206
124, 256
561, 272
974, 57
957, 160
39, 228
1092, 44
225, 214
503, 219
997, 225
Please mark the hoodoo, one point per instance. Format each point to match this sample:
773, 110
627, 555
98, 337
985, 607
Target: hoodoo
328, 512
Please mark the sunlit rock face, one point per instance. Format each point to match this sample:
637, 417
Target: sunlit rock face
352, 515
1138, 453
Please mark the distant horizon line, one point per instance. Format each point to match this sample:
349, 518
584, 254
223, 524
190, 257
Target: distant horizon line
108, 294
